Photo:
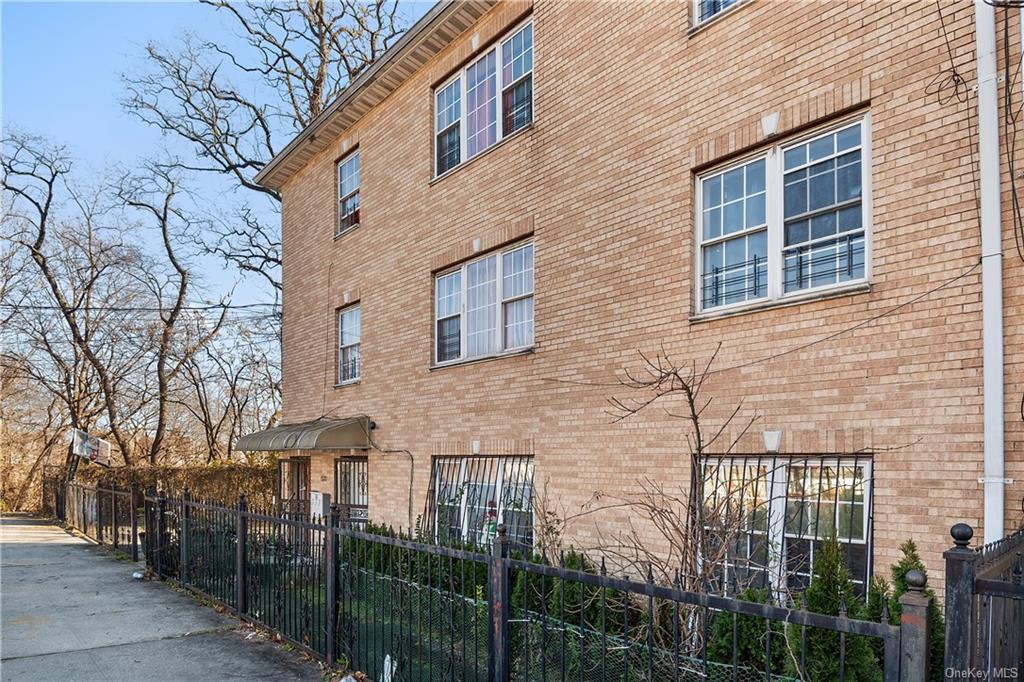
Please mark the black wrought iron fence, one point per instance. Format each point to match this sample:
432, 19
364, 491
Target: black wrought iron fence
209, 535
570, 624
399, 609
110, 516
985, 607
52, 495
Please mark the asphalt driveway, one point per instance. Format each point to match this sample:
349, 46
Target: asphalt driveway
71, 611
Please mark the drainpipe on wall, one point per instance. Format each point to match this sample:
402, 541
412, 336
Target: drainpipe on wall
991, 268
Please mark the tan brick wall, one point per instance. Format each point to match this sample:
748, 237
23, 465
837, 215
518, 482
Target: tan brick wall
628, 104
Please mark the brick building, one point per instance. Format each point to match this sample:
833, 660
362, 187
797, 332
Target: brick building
487, 228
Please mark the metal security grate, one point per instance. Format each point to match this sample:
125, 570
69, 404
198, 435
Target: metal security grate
351, 489
767, 518
469, 496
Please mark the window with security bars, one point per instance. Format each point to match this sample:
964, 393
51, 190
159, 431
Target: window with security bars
767, 517
485, 306
790, 220
352, 489
486, 101
469, 496
348, 193
293, 486
350, 361
823, 210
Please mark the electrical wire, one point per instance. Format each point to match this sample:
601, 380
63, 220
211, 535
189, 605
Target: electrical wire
17, 307
949, 85
863, 323
828, 337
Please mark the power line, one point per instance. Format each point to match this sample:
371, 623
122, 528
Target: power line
863, 323
140, 309
796, 349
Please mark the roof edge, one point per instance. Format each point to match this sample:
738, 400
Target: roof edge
428, 21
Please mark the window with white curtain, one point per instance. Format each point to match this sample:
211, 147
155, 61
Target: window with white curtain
488, 100
485, 306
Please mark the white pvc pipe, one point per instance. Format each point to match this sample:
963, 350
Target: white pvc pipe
991, 268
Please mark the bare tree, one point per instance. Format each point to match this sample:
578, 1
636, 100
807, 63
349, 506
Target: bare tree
232, 107
155, 194
681, 517
231, 390
35, 178
31, 426
98, 320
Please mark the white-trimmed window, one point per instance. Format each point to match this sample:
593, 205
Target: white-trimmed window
768, 516
789, 220
486, 101
707, 9
350, 361
348, 193
485, 306
470, 496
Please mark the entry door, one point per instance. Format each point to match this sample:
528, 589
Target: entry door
352, 489
293, 475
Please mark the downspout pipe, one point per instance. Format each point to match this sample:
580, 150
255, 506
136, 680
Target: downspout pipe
991, 270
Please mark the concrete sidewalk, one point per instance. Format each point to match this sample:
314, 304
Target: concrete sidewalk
71, 611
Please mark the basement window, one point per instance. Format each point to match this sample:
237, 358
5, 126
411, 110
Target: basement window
767, 518
470, 496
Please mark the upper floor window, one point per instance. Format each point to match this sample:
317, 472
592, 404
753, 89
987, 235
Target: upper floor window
348, 193
485, 306
486, 101
350, 363
705, 9
790, 220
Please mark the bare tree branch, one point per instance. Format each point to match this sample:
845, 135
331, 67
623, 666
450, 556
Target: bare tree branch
232, 107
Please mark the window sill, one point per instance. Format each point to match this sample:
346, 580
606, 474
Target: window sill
350, 382
697, 28
483, 358
848, 290
339, 235
451, 171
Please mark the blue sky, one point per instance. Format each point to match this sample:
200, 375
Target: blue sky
62, 64
61, 78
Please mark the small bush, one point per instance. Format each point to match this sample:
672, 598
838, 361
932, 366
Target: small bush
937, 626
752, 633
828, 592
